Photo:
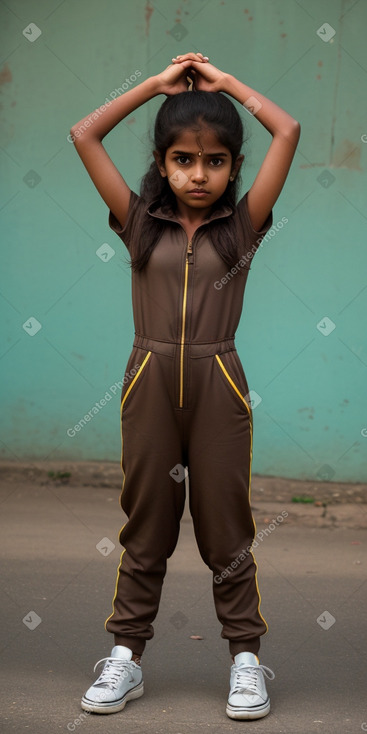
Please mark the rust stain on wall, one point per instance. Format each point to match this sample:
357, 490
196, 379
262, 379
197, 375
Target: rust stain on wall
5, 75
347, 155
148, 14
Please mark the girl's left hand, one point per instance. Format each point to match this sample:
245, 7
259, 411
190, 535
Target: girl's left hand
205, 76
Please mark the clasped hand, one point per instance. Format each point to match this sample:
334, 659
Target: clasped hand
190, 68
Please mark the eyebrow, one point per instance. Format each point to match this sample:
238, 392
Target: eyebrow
211, 155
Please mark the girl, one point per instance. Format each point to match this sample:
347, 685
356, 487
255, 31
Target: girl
190, 247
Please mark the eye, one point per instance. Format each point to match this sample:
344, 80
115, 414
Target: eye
181, 158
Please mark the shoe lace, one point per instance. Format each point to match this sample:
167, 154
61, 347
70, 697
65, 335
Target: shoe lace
112, 671
246, 677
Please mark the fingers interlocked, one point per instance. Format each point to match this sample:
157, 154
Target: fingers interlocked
194, 57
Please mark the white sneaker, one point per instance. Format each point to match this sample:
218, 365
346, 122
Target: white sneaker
248, 698
121, 680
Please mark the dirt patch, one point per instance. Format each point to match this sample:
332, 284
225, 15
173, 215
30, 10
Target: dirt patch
312, 503
109, 474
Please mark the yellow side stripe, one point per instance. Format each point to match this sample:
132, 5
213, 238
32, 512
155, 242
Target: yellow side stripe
253, 519
123, 483
255, 533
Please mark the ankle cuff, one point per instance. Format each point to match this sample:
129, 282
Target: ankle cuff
135, 644
252, 645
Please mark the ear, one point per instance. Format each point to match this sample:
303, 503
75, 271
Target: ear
237, 165
158, 160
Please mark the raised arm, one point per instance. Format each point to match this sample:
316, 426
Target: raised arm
285, 131
88, 133
275, 167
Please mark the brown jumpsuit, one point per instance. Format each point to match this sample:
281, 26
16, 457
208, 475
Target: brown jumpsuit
187, 406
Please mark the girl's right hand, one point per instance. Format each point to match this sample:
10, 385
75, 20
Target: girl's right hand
173, 79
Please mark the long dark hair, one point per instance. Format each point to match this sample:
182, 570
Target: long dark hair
179, 112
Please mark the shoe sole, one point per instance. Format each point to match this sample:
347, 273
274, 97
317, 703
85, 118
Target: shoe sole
235, 712
114, 706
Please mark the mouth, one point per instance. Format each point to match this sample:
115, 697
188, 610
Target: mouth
198, 191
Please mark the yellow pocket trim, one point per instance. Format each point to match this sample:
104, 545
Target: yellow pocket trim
235, 388
135, 379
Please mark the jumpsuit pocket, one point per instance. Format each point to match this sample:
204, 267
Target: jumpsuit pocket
131, 387
232, 383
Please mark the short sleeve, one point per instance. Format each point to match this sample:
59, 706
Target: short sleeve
125, 233
250, 239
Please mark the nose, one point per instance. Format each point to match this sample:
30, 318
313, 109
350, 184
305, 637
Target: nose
198, 173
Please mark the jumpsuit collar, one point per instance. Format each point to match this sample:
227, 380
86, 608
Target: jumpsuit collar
166, 212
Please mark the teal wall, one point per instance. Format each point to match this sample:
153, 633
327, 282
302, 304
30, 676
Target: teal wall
312, 417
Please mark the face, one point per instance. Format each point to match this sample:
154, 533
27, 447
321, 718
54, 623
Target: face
197, 160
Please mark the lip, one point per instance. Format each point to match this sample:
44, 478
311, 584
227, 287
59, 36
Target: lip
198, 192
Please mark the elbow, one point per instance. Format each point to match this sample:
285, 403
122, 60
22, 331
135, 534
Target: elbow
295, 131
290, 132
76, 133
71, 137
79, 133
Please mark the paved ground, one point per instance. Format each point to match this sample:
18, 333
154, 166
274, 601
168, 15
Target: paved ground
313, 565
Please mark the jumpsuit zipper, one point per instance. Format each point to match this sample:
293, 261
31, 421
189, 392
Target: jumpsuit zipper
160, 215
184, 305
